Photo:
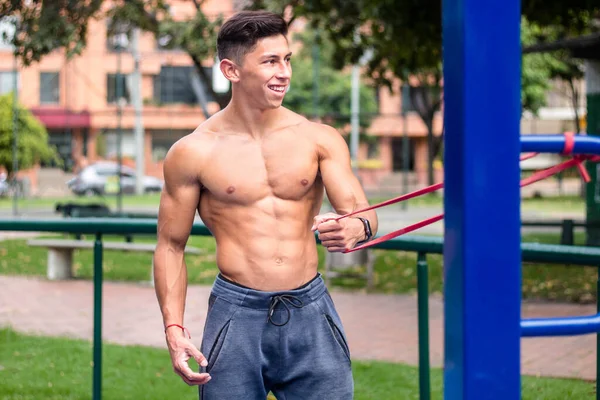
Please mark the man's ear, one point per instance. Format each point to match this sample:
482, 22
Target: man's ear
230, 70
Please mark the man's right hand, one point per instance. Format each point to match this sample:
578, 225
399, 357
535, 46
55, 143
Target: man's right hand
181, 350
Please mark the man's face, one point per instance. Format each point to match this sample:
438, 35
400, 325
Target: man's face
266, 71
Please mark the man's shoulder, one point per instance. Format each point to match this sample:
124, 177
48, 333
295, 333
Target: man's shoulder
322, 134
188, 150
190, 143
313, 127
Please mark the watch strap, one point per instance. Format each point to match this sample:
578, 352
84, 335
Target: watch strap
367, 227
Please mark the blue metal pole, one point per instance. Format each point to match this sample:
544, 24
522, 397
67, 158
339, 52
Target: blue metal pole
598, 334
555, 143
482, 223
562, 326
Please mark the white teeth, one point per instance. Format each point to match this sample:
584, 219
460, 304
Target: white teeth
279, 89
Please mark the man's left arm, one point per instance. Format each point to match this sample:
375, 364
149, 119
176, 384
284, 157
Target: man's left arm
345, 194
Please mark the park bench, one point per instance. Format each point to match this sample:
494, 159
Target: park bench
60, 253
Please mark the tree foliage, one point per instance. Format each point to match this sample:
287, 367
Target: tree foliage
331, 100
405, 41
402, 39
32, 140
559, 64
536, 71
44, 26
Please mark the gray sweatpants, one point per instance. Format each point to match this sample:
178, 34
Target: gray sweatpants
291, 343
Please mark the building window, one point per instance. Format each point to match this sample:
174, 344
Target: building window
7, 81
49, 88
180, 85
62, 141
113, 89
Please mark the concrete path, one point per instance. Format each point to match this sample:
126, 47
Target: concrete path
379, 327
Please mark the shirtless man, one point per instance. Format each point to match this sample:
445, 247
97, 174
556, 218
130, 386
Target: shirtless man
256, 172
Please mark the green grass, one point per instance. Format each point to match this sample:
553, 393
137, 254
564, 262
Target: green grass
555, 205
394, 272
35, 367
17, 258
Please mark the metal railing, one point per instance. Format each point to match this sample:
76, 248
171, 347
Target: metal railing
531, 252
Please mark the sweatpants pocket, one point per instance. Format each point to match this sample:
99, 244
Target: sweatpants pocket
338, 336
217, 346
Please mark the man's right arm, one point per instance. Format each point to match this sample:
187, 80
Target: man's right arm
178, 203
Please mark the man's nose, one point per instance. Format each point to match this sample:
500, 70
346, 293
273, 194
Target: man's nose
285, 71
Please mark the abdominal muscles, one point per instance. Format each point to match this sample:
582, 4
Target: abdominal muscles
266, 245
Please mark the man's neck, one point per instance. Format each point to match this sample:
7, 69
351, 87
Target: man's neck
251, 120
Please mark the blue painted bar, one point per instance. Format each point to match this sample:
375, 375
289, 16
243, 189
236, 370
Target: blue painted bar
566, 326
556, 144
482, 198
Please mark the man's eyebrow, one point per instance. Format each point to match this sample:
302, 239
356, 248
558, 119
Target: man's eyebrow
273, 55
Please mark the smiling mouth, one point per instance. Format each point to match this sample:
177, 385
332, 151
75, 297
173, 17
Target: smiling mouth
277, 88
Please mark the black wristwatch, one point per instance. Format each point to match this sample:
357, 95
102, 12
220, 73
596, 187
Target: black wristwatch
368, 231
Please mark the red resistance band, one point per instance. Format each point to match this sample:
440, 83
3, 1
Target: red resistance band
538, 176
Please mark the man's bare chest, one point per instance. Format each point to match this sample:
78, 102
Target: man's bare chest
252, 171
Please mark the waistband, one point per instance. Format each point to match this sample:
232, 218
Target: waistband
261, 300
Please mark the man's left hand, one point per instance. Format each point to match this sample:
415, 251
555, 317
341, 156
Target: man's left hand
338, 236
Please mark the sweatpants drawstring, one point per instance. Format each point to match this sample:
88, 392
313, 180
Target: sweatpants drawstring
284, 299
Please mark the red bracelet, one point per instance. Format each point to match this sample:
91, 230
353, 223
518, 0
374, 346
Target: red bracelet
183, 328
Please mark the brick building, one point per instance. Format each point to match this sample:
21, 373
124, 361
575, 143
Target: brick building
77, 102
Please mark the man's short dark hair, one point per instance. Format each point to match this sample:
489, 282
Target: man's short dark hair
239, 34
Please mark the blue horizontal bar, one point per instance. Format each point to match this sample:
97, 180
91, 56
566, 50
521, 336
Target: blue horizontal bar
567, 326
556, 144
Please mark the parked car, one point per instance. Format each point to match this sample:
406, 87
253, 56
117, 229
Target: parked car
102, 178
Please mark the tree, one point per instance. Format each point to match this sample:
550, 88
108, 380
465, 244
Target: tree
405, 36
197, 36
536, 71
332, 104
32, 140
561, 63
45, 26
406, 40
570, 70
